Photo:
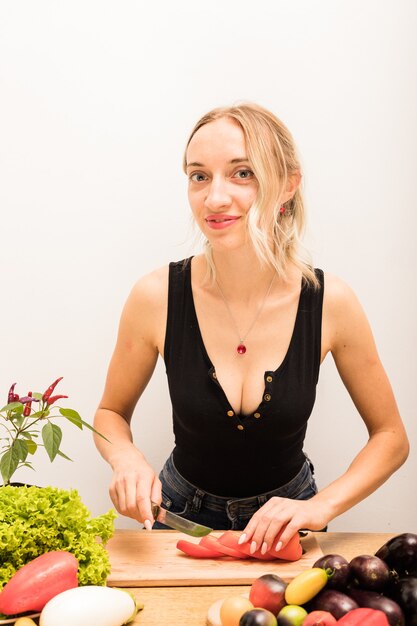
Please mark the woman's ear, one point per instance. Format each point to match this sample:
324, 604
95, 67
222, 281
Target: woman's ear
293, 182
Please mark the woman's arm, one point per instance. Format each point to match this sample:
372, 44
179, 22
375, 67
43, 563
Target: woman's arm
140, 339
347, 334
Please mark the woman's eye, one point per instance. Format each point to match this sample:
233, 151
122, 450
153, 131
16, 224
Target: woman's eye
243, 174
197, 177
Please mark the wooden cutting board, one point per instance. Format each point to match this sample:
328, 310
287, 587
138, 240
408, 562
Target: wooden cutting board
150, 559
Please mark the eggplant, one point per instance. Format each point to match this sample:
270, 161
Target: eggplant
339, 577
335, 602
400, 554
405, 593
375, 600
369, 572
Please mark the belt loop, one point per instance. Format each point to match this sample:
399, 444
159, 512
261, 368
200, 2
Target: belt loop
261, 500
197, 501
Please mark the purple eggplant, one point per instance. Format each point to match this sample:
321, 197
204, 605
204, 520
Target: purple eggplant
375, 600
335, 602
400, 554
339, 566
405, 594
369, 572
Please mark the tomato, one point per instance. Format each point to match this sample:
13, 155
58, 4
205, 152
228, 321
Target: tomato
232, 610
258, 617
319, 618
292, 551
306, 585
268, 592
291, 615
197, 551
226, 550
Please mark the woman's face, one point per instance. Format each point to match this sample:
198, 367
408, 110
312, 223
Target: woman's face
221, 184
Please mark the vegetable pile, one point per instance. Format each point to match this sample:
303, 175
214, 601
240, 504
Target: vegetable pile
370, 590
36, 520
210, 547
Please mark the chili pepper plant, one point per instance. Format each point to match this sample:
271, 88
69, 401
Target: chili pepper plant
26, 425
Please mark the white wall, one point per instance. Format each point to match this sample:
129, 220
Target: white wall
96, 102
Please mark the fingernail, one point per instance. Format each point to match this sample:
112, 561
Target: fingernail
147, 524
278, 546
264, 547
253, 547
242, 539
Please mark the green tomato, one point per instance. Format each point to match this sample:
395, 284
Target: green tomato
291, 615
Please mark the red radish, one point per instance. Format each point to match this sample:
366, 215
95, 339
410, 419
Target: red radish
34, 584
197, 551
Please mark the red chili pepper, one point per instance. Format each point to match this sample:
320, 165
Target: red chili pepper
15, 397
50, 389
27, 409
10, 397
54, 399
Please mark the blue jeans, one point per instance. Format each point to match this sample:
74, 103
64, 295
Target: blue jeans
222, 513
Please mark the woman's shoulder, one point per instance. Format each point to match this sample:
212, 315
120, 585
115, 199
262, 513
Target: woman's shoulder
337, 292
152, 288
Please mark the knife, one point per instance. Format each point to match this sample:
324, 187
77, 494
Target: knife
179, 523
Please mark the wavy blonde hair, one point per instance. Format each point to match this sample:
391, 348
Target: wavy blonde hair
276, 236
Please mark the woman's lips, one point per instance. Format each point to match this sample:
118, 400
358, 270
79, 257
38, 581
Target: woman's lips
220, 221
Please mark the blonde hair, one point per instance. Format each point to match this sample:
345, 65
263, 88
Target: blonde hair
276, 236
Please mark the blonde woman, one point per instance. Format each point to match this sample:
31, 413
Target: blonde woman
243, 329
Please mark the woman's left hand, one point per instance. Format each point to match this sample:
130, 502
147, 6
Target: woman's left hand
283, 517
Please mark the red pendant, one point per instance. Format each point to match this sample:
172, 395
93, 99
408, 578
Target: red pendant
241, 349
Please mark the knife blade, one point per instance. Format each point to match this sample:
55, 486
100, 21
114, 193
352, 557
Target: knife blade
179, 523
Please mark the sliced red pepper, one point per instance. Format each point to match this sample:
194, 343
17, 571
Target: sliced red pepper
292, 551
370, 617
215, 544
34, 584
197, 551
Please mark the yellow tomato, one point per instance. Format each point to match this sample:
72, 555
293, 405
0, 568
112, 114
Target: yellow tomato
24, 621
306, 585
232, 610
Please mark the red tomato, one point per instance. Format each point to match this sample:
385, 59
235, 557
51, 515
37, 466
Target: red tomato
230, 539
319, 618
197, 551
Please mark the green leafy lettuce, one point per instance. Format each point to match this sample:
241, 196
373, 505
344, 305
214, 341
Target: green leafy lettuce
34, 520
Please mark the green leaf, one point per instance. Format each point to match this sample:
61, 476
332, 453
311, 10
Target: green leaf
9, 463
22, 449
17, 420
51, 435
32, 446
95, 431
16, 407
72, 416
64, 456
38, 414
37, 396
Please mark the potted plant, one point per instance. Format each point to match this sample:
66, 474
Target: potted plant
35, 520
24, 420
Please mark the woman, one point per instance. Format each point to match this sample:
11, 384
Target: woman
243, 329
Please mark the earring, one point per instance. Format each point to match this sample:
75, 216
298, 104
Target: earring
282, 209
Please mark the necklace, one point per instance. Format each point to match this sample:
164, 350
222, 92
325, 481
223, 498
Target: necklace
241, 348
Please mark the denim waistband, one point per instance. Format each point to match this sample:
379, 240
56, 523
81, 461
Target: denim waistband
188, 490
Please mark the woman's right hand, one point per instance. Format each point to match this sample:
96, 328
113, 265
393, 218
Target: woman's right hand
134, 486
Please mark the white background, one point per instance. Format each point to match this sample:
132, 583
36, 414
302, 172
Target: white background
97, 99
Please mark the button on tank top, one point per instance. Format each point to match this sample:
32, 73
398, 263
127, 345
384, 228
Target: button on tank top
217, 450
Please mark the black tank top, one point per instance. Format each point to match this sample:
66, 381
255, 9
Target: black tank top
215, 449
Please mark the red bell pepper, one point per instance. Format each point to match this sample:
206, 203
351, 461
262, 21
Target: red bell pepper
362, 616
34, 584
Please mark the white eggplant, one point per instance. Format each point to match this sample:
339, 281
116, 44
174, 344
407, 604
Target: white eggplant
90, 606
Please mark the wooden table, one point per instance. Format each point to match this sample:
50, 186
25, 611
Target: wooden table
187, 606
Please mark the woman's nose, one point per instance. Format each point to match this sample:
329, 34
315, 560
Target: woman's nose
218, 195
